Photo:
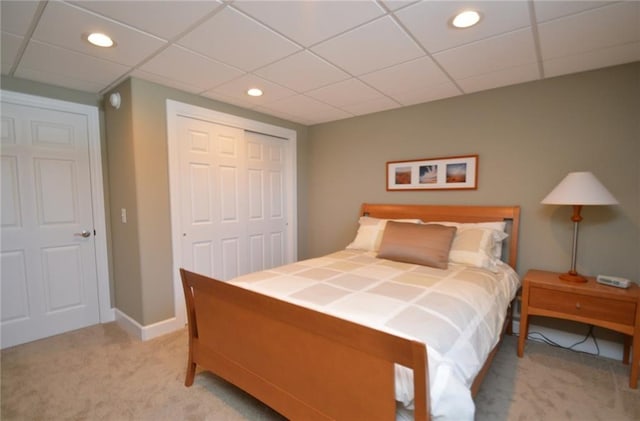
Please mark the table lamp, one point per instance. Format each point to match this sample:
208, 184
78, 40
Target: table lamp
578, 189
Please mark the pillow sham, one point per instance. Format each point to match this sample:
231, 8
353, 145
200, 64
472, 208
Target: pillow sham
477, 243
421, 244
499, 235
476, 246
370, 231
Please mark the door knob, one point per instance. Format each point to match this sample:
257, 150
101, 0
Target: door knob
84, 234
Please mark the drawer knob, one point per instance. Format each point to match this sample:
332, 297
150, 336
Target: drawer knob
578, 306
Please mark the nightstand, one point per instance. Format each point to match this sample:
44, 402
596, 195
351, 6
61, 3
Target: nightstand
544, 294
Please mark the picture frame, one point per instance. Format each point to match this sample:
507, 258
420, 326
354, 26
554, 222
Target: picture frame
447, 173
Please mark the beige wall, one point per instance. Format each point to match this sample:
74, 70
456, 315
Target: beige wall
528, 138
139, 168
121, 154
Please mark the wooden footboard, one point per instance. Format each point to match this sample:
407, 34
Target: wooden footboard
304, 364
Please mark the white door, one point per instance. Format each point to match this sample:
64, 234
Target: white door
48, 277
233, 199
267, 196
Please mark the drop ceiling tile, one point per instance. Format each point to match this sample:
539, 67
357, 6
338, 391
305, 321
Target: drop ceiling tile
547, 10
301, 106
309, 22
594, 59
194, 68
591, 30
16, 16
237, 40
344, 93
413, 75
161, 80
240, 102
371, 47
502, 77
62, 24
67, 68
397, 4
489, 55
283, 116
9, 47
430, 21
302, 72
427, 94
164, 19
238, 88
372, 106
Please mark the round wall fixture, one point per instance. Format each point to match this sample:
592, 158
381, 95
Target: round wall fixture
115, 100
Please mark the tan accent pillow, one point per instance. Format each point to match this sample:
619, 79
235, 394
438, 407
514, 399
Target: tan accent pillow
421, 244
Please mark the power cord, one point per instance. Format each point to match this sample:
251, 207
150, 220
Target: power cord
548, 341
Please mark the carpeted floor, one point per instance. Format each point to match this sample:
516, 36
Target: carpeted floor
101, 373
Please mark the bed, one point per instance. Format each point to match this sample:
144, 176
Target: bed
301, 339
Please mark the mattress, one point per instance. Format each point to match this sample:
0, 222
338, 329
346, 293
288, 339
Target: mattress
457, 312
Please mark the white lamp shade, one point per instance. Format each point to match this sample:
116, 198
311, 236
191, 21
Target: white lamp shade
580, 188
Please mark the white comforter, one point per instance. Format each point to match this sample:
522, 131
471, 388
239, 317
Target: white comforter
457, 312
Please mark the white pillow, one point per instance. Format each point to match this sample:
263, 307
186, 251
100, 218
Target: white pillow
477, 244
370, 232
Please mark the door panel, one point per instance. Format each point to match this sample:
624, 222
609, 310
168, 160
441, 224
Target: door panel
56, 193
49, 280
10, 193
15, 306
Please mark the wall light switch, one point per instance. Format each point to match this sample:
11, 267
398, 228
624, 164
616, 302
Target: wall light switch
123, 215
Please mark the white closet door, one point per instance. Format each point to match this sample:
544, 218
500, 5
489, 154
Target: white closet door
267, 219
49, 281
212, 176
233, 212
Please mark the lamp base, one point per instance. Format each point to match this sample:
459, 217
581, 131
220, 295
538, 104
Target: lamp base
573, 277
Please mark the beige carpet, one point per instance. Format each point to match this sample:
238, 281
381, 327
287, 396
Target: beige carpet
101, 373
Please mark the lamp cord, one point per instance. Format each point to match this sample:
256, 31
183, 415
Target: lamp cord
548, 341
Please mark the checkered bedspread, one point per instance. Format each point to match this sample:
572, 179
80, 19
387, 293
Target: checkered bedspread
458, 312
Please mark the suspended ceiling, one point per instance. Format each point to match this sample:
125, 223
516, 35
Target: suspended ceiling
316, 61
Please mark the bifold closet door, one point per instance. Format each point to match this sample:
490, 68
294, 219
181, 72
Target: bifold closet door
267, 219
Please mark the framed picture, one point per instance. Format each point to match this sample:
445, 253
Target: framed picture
449, 173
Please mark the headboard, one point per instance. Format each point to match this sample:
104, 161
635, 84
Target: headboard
435, 213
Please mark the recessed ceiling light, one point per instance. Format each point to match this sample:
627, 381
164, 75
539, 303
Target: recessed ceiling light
100, 40
466, 19
254, 92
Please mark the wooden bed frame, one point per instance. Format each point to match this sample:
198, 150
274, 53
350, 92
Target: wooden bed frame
308, 365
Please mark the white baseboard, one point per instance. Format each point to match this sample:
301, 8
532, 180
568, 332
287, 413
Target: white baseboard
608, 349
151, 331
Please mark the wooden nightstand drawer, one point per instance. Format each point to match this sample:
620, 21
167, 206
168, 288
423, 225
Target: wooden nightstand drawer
623, 312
